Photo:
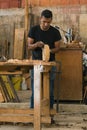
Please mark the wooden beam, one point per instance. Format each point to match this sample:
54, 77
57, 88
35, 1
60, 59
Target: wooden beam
44, 102
24, 111
22, 118
19, 43
26, 17
1, 95
26, 27
46, 88
37, 96
10, 73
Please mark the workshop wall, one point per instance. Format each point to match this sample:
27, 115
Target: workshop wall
21, 3
55, 2
9, 20
68, 16
63, 16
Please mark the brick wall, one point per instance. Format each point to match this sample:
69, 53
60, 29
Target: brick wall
4, 4
55, 2
21, 3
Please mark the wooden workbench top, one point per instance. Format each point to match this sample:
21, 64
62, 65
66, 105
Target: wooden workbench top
13, 64
26, 62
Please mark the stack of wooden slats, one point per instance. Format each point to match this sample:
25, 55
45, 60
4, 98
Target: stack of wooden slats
7, 90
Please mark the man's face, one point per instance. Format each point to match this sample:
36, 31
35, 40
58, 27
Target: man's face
45, 23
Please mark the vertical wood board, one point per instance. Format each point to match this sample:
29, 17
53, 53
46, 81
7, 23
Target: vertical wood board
37, 97
19, 43
71, 77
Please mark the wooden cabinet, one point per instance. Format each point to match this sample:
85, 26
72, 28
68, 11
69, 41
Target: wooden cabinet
71, 75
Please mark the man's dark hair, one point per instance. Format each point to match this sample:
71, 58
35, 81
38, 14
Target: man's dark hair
47, 13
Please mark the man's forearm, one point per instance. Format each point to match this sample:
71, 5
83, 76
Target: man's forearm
35, 45
32, 46
54, 50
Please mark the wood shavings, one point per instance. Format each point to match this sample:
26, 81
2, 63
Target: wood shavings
13, 60
74, 45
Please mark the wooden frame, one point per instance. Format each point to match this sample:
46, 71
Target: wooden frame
41, 112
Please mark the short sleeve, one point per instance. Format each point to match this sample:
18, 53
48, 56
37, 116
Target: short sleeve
57, 35
31, 33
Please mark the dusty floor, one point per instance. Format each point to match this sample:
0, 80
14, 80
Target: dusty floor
63, 121
70, 117
27, 128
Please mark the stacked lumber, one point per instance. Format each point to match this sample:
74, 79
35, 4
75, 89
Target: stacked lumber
8, 93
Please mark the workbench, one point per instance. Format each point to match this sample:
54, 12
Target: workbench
41, 112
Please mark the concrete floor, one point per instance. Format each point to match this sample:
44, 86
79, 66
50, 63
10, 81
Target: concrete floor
11, 127
22, 128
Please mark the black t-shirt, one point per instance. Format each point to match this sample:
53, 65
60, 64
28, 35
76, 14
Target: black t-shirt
48, 37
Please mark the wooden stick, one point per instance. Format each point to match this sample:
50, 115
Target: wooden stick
26, 24
37, 97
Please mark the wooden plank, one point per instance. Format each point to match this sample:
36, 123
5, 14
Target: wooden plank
46, 89
25, 62
10, 73
1, 95
5, 89
26, 18
19, 43
46, 53
16, 111
15, 118
37, 97
44, 112
8, 88
24, 111
44, 102
71, 76
22, 118
26, 25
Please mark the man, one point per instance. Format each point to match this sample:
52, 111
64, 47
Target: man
37, 37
